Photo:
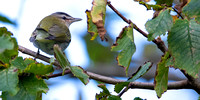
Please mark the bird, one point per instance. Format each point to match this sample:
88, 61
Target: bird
51, 30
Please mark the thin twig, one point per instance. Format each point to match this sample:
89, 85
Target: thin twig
124, 90
179, 14
158, 42
172, 85
56, 75
34, 54
117, 12
192, 83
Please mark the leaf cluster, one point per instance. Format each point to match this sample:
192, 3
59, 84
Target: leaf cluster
183, 39
20, 78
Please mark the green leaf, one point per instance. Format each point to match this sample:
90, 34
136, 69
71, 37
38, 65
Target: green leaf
98, 13
39, 69
62, 59
97, 51
169, 62
113, 97
80, 73
138, 98
28, 61
9, 80
159, 25
141, 71
4, 31
161, 78
18, 62
5, 39
9, 50
192, 9
6, 20
167, 2
104, 94
76, 70
92, 28
183, 43
125, 43
120, 86
105, 90
30, 89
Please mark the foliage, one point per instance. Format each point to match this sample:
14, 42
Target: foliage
76, 70
4, 19
161, 78
105, 94
14, 82
141, 71
125, 43
159, 25
23, 78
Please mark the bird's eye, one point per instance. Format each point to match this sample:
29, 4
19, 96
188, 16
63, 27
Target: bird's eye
64, 18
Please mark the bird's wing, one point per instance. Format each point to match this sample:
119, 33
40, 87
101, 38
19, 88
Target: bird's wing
59, 33
34, 34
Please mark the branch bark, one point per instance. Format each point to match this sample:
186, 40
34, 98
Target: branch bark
160, 44
191, 83
184, 84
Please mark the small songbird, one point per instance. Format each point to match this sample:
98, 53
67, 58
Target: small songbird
53, 29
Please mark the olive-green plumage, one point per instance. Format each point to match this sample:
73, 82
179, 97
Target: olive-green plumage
53, 29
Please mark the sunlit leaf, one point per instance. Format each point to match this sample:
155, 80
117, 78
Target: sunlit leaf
184, 46
159, 25
125, 43
39, 69
192, 8
161, 78
98, 13
92, 28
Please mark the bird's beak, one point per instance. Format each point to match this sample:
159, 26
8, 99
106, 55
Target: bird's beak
76, 19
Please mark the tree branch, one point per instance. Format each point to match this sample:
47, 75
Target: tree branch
184, 84
179, 14
160, 44
191, 83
